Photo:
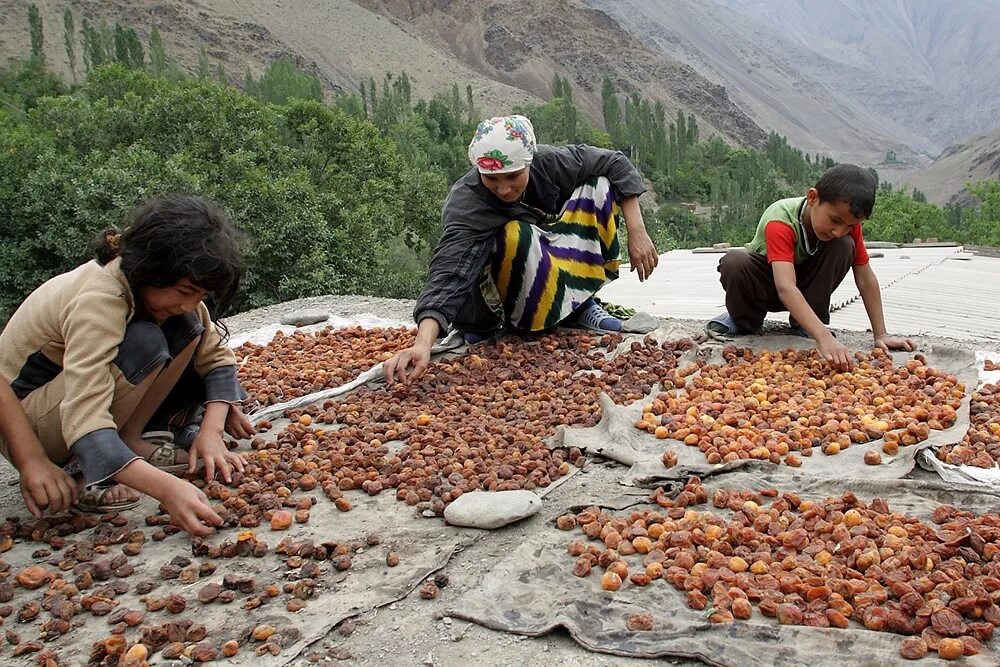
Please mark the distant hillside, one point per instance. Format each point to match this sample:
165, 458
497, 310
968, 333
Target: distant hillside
975, 159
495, 48
525, 43
336, 40
851, 78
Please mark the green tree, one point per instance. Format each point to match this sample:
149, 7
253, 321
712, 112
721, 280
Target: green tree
611, 110
158, 61
24, 84
95, 52
983, 220
69, 40
204, 66
898, 218
35, 32
283, 82
128, 48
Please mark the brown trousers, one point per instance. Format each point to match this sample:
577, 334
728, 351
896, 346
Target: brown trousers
749, 282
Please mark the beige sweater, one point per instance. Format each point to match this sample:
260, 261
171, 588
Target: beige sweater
77, 320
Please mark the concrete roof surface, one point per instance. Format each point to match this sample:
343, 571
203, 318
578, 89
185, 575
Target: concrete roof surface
925, 291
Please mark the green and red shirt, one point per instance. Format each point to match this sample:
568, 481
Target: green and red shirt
781, 236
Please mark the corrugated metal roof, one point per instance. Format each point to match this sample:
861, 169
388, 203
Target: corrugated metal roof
930, 291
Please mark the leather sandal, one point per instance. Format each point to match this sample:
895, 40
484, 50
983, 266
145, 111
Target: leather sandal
164, 456
92, 501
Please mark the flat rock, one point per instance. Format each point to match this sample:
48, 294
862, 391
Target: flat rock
300, 318
640, 323
491, 509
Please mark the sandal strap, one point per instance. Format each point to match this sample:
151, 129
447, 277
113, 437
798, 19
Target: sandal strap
164, 455
93, 496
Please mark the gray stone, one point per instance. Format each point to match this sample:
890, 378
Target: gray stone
300, 318
640, 323
491, 509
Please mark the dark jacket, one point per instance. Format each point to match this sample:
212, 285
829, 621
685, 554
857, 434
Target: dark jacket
472, 215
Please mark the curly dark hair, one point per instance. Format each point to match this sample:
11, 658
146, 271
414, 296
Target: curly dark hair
169, 238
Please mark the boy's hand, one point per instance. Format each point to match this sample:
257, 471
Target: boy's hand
836, 352
217, 457
889, 343
188, 508
46, 486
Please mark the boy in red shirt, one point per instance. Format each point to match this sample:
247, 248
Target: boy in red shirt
803, 248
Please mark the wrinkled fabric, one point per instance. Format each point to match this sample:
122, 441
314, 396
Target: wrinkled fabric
532, 591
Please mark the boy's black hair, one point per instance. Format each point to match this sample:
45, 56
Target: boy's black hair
174, 237
848, 183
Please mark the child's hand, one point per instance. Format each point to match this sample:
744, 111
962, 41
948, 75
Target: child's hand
834, 351
188, 508
889, 343
46, 486
238, 424
217, 458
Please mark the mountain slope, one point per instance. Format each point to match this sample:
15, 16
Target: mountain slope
525, 43
501, 49
847, 77
975, 159
336, 40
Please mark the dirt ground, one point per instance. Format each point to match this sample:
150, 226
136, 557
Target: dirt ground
410, 630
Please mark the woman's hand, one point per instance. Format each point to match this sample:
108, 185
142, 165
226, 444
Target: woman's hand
642, 253
209, 447
407, 365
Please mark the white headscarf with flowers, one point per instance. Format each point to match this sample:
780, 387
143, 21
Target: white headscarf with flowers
502, 145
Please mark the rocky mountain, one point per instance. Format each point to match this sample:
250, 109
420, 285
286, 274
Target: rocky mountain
852, 78
974, 159
524, 43
847, 78
503, 49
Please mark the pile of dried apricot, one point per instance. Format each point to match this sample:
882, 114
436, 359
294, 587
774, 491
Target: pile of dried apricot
297, 364
814, 563
476, 421
780, 406
981, 445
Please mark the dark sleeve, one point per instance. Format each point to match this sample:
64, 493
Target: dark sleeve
458, 260
102, 455
221, 384
569, 166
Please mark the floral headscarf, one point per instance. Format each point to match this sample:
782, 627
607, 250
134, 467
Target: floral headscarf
502, 145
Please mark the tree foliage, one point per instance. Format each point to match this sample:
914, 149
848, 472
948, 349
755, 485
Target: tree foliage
69, 40
345, 196
320, 193
35, 32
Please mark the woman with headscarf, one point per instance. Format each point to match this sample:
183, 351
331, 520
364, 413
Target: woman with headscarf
529, 236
